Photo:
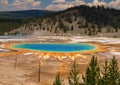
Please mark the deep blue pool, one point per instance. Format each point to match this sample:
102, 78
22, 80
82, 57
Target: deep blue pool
56, 47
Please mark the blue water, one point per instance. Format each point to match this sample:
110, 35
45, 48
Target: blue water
56, 47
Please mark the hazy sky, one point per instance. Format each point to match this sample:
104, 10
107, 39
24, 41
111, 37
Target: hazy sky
10, 5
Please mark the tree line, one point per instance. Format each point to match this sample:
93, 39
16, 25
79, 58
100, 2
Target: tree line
110, 75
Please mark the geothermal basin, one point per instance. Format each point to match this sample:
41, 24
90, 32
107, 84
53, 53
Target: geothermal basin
19, 58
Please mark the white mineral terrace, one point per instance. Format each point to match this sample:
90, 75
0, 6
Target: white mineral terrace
72, 39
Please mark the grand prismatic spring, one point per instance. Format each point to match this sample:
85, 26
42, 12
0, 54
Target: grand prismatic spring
56, 47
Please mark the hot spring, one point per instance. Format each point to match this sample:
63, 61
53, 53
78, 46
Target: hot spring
55, 47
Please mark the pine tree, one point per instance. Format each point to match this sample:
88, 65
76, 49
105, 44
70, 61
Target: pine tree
58, 80
73, 78
92, 76
114, 72
119, 80
105, 73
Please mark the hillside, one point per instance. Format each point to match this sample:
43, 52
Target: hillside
13, 19
80, 20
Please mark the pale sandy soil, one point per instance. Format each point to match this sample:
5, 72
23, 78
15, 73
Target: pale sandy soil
26, 71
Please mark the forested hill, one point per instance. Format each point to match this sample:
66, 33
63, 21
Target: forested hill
95, 15
24, 14
81, 20
11, 20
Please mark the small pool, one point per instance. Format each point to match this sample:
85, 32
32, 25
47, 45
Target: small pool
55, 47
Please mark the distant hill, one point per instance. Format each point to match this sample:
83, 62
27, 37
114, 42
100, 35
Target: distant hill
24, 14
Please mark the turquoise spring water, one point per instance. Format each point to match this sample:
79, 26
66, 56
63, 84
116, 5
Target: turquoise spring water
52, 47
